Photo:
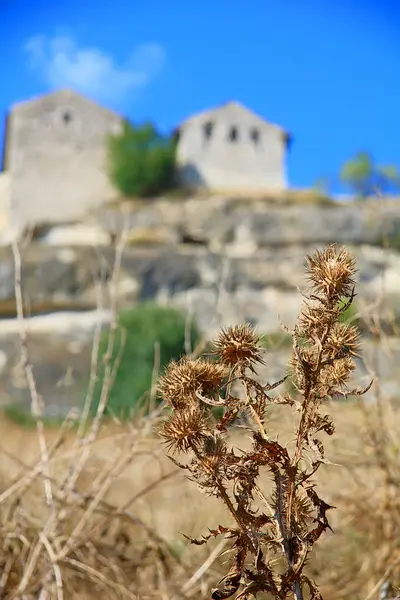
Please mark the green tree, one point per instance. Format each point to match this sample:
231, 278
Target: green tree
323, 185
141, 162
140, 331
365, 177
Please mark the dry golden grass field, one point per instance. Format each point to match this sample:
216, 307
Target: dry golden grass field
351, 563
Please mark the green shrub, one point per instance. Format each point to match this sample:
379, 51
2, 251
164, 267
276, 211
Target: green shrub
21, 414
393, 242
365, 177
141, 162
139, 329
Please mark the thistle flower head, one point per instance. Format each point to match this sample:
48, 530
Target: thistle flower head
185, 429
336, 375
305, 355
184, 378
213, 451
239, 345
343, 340
312, 319
304, 358
331, 272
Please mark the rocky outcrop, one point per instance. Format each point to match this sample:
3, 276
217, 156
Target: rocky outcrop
218, 288
222, 260
59, 347
226, 223
61, 364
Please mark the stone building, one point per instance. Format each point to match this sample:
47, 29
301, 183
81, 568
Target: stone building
229, 148
55, 154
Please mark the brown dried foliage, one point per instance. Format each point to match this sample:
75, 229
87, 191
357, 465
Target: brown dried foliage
270, 546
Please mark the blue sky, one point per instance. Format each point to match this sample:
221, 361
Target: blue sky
326, 70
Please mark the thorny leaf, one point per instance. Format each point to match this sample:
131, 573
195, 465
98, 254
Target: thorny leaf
324, 423
231, 586
178, 464
210, 401
225, 530
228, 418
259, 582
318, 449
195, 542
355, 391
269, 453
231, 581
228, 532
321, 519
259, 396
272, 386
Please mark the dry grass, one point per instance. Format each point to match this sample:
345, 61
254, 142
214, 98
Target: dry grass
286, 197
81, 539
55, 517
301, 197
150, 487
149, 236
364, 555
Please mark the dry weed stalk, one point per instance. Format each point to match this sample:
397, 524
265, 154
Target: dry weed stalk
65, 546
271, 546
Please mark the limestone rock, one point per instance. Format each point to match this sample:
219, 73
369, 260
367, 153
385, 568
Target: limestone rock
77, 235
221, 222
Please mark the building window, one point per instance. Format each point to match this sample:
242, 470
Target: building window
233, 134
208, 129
255, 136
67, 117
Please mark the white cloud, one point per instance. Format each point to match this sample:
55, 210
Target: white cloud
61, 63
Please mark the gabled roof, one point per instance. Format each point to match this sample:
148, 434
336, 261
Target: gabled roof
61, 96
237, 109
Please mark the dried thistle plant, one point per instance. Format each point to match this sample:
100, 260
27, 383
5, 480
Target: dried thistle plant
270, 547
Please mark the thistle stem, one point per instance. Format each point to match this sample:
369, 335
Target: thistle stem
298, 593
